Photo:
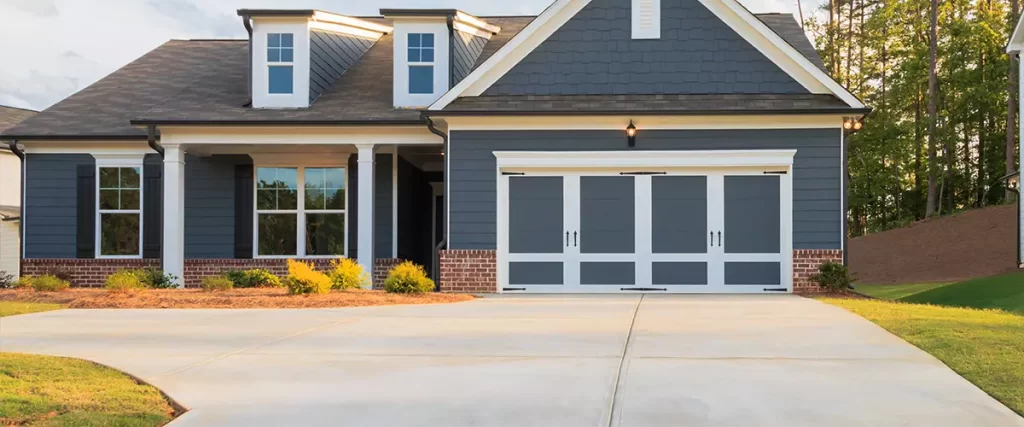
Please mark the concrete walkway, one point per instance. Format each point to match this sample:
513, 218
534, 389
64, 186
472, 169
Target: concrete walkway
588, 361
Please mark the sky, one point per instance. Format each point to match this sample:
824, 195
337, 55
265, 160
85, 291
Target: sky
54, 48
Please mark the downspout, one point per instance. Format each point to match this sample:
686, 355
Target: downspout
13, 145
451, 56
248, 28
436, 262
1017, 260
151, 139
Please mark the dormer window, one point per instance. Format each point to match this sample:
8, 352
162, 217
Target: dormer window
421, 63
280, 63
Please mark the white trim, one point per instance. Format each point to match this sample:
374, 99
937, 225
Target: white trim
112, 161
299, 136
643, 159
365, 194
173, 252
465, 28
730, 12
300, 210
842, 189
304, 159
321, 16
1016, 43
331, 27
619, 123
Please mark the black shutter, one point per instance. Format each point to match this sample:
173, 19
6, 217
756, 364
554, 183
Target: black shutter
152, 212
243, 211
86, 244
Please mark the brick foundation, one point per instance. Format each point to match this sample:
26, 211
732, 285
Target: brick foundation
381, 268
805, 265
85, 273
469, 271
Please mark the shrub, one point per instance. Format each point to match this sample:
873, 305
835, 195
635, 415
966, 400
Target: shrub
408, 278
6, 280
22, 283
302, 279
253, 278
348, 274
124, 281
59, 272
833, 277
48, 283
157, 279
217, 283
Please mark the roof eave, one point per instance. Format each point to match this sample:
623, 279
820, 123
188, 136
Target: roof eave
795, 111
264, 123
72, 137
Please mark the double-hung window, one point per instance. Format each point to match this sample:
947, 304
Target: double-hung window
307, 223
280, 63
119, 216
421, 63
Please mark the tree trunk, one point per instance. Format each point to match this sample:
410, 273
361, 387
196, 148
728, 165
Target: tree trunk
982, 131
933, 47
1011, 106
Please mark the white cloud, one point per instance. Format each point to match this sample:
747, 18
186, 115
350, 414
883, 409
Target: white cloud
53, 48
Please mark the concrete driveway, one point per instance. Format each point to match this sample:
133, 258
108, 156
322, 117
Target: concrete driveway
589, 361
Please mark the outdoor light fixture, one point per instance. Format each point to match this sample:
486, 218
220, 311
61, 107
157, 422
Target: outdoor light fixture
857, 125
853, 124
631, 134
848, 124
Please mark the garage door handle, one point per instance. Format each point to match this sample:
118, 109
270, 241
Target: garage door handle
712, 238
574, 239
719, 239
567, 239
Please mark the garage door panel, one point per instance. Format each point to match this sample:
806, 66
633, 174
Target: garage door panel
607, 214
679, 208
679, 273
536, 215
607, 273
753, 273
752, 215
535, 273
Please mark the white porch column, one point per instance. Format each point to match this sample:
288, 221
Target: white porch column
174, 212
365, 215
1020, 160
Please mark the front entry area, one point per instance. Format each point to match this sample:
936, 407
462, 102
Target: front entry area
674, 230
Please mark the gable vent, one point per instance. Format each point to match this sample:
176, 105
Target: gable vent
646, 19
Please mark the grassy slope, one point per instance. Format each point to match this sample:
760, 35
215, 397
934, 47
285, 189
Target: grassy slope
984, 346
13, 308
894, 292
1005, 292
56, 391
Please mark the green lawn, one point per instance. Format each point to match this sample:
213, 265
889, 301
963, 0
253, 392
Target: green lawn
56, 391
12, 308
984, 346
894, 292
1005, 292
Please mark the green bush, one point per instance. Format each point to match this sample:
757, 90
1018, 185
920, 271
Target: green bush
156, 279
24, 282
6, 280
60, 273
833, 277
348, 274
124, 281
302, 279
408, 278
217, 283
48, 283
253, 278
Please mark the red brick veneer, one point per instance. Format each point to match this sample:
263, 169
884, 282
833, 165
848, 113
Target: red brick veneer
85, 273
469, 271
381, 268
805, 265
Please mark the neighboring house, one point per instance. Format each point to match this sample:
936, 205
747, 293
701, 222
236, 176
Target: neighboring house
10, 196
602, 146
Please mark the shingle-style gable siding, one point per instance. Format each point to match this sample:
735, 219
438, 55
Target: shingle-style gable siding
467, 48
330, 56
593, 53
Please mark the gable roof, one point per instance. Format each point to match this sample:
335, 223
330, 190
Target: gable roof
10, 116
755, 31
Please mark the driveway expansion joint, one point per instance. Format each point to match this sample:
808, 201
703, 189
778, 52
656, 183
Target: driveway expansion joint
615, 410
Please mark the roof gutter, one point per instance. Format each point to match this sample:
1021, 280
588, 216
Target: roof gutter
807, 111
451, 51
435, 262
151, 139
248, 28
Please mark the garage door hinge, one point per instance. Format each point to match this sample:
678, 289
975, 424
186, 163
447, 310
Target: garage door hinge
642, 173
513, 289
513, 173
775, 172
643, 289
775, 289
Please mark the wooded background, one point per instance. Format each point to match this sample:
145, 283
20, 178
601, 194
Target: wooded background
943, 89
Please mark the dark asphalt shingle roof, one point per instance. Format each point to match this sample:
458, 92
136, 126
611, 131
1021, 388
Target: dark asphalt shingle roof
205, 81
10, 116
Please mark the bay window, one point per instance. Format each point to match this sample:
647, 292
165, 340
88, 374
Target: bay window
306, 223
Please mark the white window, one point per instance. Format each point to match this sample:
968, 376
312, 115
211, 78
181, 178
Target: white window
421, 63
119, 216
307, 223
281, 58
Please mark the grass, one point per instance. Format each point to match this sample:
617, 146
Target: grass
237, 298
14, 308
49, 391
1003, 292
895, 292
983, 346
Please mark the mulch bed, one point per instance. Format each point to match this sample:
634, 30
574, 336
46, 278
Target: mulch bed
237, 298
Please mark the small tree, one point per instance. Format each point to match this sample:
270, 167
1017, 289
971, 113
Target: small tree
833, 277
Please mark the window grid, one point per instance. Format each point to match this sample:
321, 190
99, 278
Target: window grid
301, 211
280, 59
421, 60
120, 187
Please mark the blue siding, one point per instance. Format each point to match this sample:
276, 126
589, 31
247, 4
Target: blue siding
210, 206
467, 49
817, 209
594, 53
51, 204
330, 56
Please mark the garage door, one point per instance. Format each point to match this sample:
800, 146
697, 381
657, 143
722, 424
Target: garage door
621, 231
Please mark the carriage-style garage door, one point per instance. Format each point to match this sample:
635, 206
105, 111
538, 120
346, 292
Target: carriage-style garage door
701, 231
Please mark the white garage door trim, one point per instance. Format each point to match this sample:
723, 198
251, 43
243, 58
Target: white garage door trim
714, 164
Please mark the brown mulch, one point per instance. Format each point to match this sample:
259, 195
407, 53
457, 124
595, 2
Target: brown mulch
237, 298
970, 244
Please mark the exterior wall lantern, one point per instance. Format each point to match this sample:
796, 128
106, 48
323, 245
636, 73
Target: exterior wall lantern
631, 134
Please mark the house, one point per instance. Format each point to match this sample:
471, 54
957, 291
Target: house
10, 196
601, 146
